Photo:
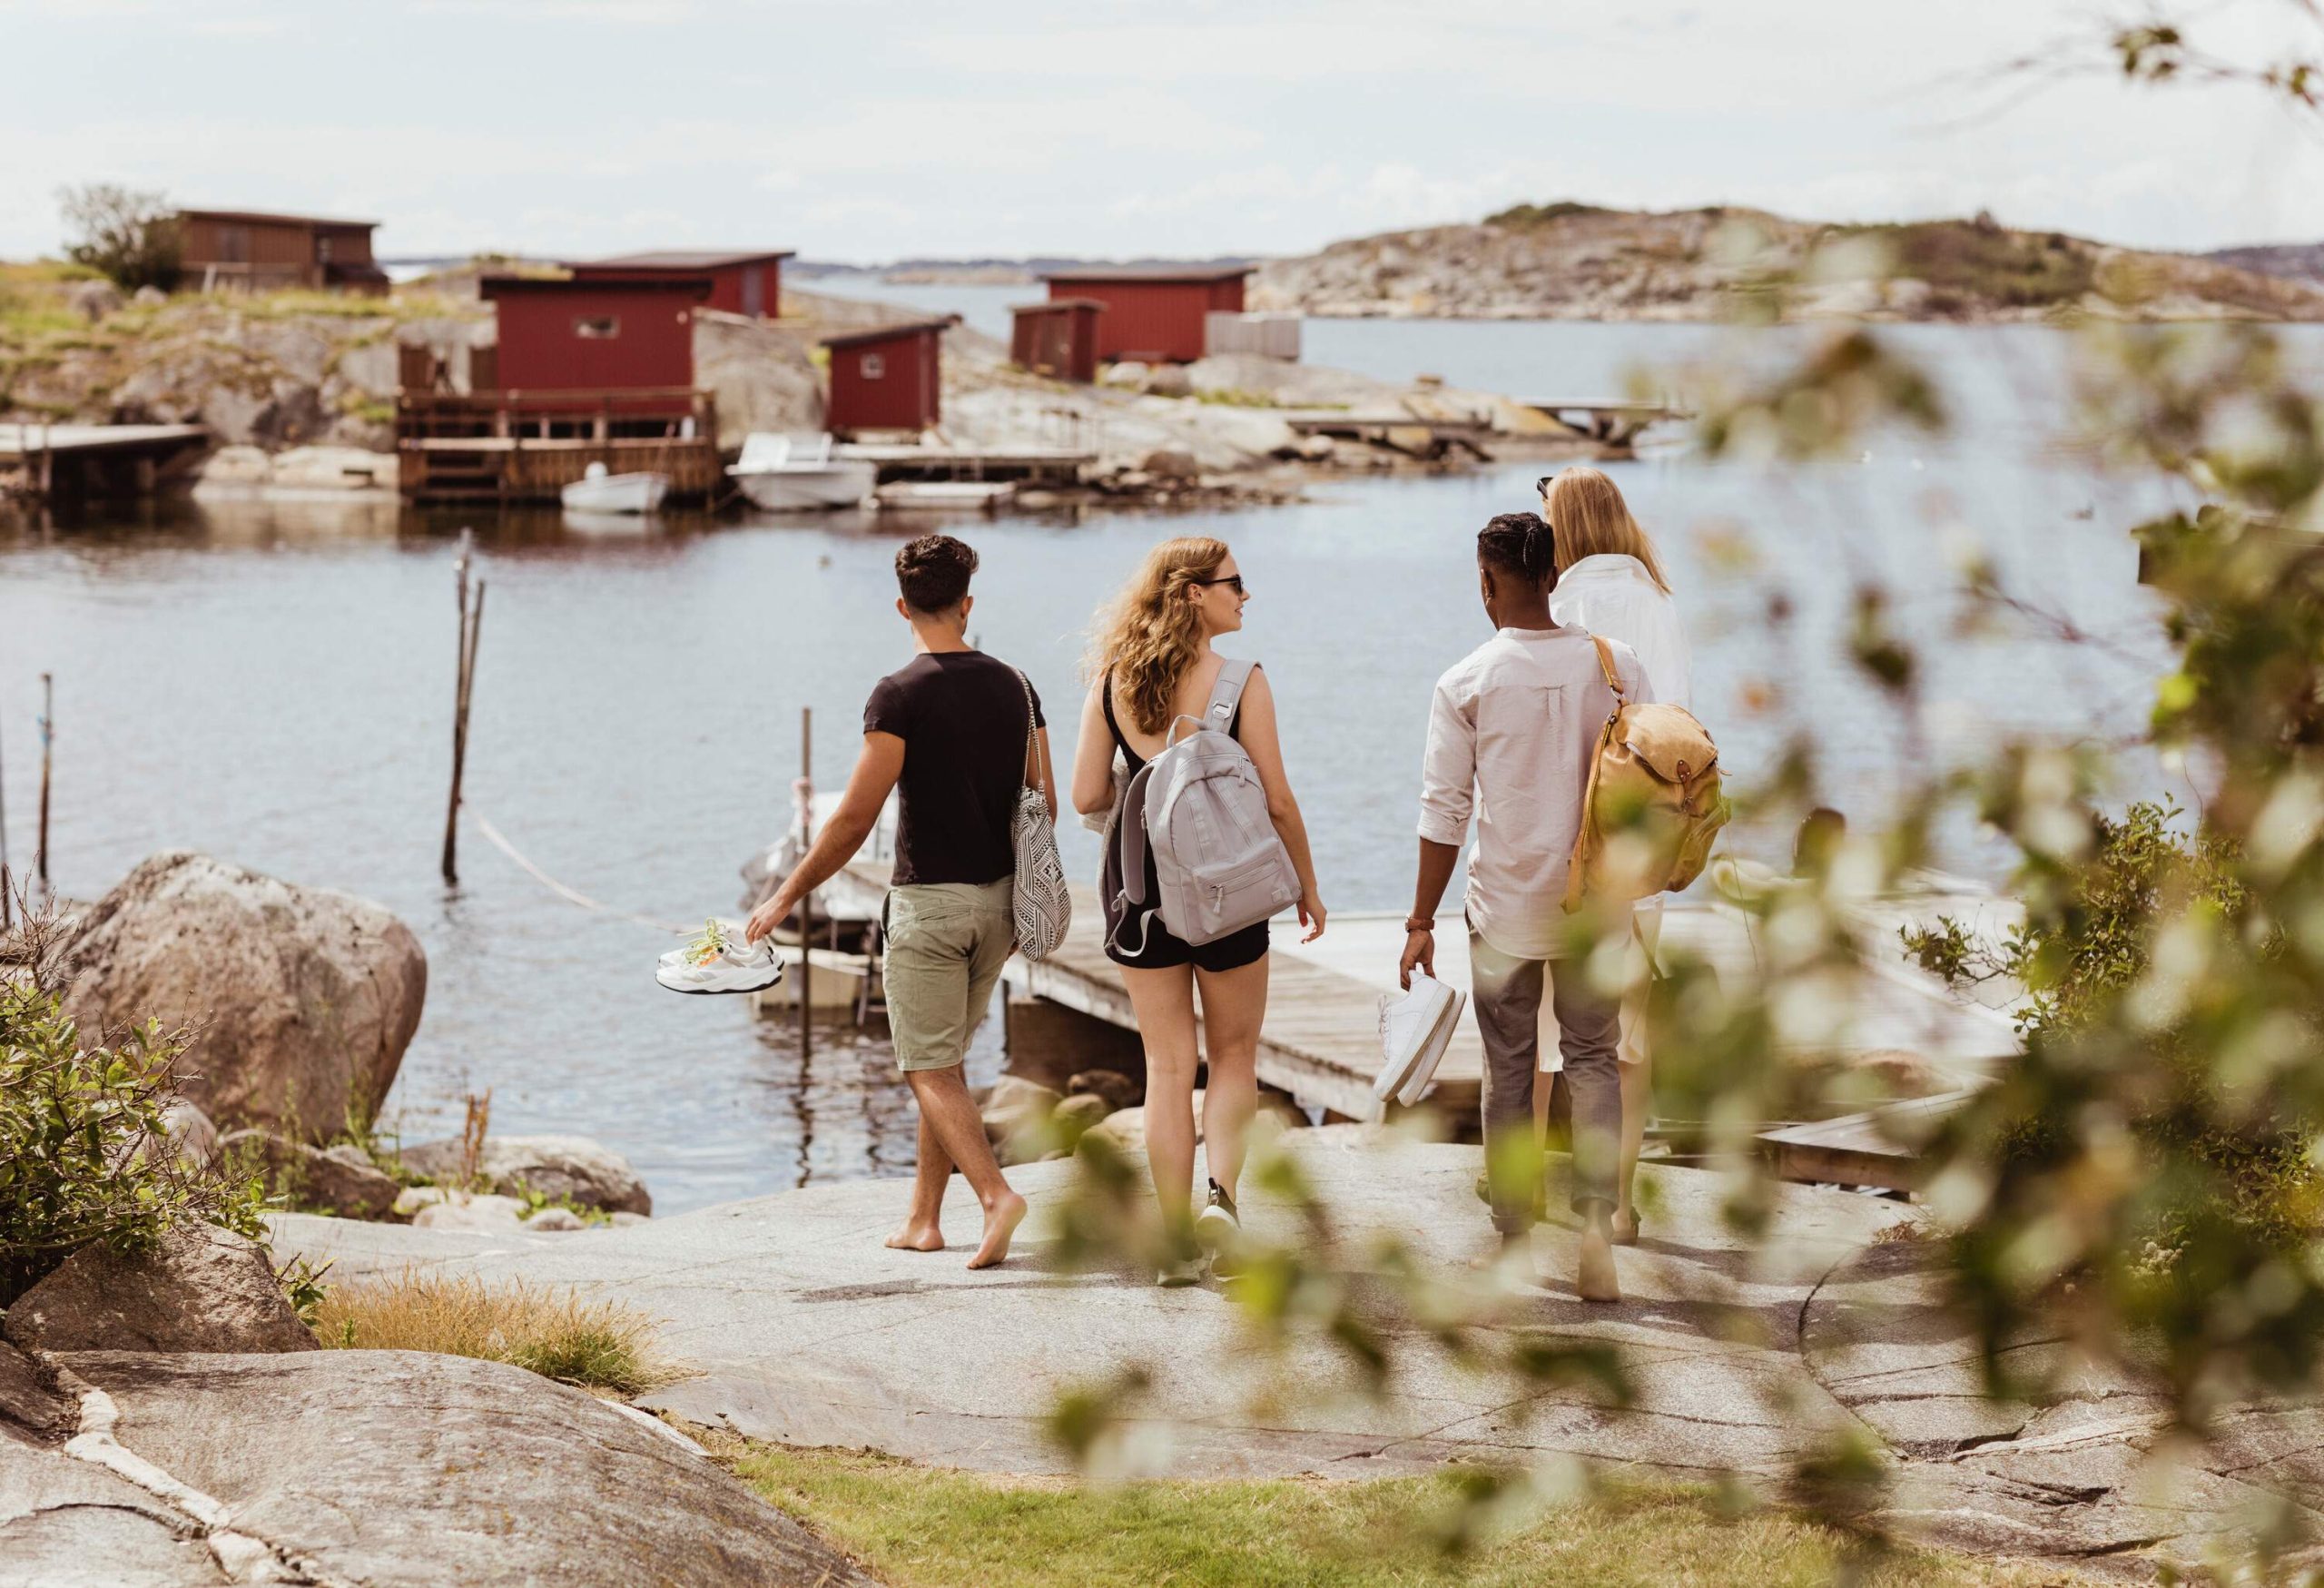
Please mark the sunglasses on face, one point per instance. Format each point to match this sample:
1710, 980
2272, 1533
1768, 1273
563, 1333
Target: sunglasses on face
1541, 486
1235, 580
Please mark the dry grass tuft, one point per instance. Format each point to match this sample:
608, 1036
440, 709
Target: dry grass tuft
557, 1333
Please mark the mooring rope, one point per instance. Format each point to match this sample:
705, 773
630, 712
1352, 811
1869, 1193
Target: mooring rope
571, 895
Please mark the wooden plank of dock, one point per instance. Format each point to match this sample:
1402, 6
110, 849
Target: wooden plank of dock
43, 461
907, 461
1322, 1039
1870, 1148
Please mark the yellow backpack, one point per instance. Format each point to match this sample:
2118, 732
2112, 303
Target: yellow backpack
1653, 805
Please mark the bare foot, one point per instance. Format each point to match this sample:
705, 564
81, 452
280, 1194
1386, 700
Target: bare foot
1595, 1278
917, 1238
1000, 1222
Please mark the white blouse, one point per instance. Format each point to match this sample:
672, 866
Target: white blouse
1614, 594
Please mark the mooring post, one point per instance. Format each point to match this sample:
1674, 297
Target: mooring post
806, 901
471, 621
48, 743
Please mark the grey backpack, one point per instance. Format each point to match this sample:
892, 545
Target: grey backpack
1218, 863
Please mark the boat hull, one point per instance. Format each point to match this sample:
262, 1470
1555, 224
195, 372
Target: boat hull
616, 493
818, 490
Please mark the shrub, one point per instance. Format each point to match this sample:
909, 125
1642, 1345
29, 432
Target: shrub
83, 1152
557, 1333
1542, 214
129, 235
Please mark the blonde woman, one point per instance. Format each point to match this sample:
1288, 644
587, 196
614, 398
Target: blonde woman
1610, 582
1150, 662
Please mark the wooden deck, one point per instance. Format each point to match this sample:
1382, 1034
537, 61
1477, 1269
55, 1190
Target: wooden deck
1321, 1040
43, 462
909, 461
1616, 423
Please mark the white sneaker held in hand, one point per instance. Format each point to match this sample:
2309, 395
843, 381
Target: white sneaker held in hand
1414, 1031
719, 960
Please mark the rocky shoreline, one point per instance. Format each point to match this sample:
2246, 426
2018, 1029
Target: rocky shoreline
298, 391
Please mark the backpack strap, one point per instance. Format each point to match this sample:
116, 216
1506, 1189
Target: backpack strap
1128, 834
1226, 695
1606, 666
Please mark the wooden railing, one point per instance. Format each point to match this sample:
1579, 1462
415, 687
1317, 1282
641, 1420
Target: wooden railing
511, 411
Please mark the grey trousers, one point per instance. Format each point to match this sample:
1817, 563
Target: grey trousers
1507, 992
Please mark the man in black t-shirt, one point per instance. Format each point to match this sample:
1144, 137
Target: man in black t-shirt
948, 730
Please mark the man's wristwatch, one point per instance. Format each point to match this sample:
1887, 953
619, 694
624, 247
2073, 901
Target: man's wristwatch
1415, 924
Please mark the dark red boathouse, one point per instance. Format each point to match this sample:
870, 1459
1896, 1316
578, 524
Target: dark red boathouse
1152, 313
890, 378
740, 283
598, 334
1057, 339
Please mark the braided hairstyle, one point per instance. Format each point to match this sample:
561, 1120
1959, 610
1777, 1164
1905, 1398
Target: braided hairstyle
1520, 545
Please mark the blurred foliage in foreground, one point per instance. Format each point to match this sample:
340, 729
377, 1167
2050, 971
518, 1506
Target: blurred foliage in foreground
2144, 1185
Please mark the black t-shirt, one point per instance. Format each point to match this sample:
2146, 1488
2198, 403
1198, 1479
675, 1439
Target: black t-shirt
961, 717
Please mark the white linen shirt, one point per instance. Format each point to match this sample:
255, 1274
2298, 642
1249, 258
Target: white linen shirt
1512, 731
1614, 594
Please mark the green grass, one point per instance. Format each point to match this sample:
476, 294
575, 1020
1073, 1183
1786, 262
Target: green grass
1542, 214
922, 1528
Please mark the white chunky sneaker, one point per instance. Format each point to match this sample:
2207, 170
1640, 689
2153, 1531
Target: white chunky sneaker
1414, 1031
1218, 1231
719, 960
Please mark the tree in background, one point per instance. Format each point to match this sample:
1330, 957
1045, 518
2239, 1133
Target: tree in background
129, 235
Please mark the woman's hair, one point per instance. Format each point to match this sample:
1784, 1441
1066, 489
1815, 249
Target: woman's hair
1517, 544
1589, 518
1147, 638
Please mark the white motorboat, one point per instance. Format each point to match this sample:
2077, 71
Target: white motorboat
798, 474
597, 491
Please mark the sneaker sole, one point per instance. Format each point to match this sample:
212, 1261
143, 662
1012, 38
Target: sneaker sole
1397, 1075
1432, 1050
752, 985
1215, 1230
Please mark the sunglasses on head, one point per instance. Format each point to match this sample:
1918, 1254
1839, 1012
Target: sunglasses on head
1234, 579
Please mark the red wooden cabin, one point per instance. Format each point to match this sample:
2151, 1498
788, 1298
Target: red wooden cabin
247, 248
890, 378
1152, 313
1057, 339
591, 338
740, 283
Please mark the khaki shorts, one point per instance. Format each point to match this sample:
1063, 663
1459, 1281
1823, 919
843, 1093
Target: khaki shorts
947, 942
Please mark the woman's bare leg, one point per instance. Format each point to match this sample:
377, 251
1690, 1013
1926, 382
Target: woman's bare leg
1234, 1007
1165, 1003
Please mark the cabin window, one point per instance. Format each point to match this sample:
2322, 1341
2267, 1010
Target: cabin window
873, 366
597, 328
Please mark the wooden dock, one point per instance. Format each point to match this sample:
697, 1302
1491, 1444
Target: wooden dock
1615, 423
46, 462
1024, 465
526, 446
1411, 433
1321, 1042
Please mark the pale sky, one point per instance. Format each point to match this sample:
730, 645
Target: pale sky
869, 130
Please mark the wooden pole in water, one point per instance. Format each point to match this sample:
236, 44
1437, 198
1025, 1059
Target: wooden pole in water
471, 621
47, 741
806, 902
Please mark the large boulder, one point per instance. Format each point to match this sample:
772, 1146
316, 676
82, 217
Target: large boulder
201, 1288
305, 999
394, 1468
93, 301
572, 1167
340, 1179
760, 375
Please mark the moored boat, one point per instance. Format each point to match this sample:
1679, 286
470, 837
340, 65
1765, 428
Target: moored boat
597, 491
798, 474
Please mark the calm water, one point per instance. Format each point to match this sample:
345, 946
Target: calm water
273, 684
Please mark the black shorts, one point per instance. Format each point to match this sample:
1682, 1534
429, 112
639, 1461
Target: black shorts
1163, 950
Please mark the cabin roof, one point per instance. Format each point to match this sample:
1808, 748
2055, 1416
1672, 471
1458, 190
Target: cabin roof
496, 286
264, 216
708, 259
1051, 305
890, 332
1149, 273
